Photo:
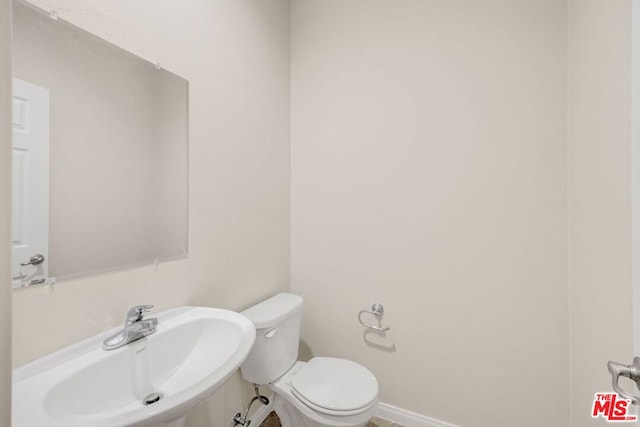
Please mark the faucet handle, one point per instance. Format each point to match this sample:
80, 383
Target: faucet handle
136, 313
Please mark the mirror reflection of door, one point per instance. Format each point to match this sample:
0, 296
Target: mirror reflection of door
30, 192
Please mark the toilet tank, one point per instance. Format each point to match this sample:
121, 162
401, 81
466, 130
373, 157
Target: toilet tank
277, 321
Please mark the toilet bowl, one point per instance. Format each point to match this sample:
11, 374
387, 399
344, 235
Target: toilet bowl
324, 392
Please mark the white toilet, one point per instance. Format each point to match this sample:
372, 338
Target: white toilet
320, 393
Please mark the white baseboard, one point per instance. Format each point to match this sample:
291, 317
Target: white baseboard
262, 413
408, 418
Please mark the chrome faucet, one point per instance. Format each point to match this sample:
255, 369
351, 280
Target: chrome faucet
135, 327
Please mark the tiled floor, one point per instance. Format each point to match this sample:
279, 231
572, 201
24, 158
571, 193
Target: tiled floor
273, 421
379, 422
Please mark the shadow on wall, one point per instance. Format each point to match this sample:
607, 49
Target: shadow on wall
378, 340
304, 352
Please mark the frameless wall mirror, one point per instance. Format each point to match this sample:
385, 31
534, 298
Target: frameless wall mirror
100, 154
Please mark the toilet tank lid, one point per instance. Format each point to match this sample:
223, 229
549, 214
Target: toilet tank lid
274, 310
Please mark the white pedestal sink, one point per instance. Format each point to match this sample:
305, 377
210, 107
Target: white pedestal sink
194, 350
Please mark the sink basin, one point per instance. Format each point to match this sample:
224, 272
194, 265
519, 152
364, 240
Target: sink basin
194, 350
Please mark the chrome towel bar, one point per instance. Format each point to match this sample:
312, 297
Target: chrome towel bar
377, 310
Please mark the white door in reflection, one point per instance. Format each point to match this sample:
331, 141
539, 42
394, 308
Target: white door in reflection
30, 191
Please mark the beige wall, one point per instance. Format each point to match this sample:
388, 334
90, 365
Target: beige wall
429, 173
235, 54
599, 154
5, 213
430, 169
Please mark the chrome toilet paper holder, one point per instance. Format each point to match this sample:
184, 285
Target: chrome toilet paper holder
377, 310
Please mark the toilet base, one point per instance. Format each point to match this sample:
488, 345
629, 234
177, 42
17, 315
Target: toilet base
288, 414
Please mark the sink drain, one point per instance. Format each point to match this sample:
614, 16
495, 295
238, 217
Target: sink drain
152, 398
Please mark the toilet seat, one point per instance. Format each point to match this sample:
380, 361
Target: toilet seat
335, 386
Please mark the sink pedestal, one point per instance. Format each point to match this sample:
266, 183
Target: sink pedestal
175, 423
